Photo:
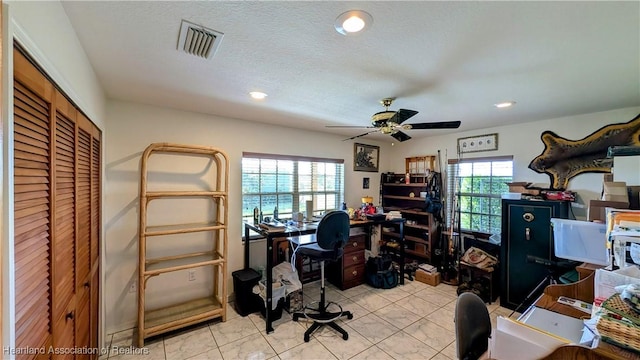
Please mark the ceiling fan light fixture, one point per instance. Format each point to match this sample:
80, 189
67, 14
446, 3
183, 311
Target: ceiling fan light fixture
352, 22
504, 104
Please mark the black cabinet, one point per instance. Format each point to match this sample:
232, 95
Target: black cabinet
526, 235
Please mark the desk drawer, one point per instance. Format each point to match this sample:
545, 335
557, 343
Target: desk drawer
353, 274
355, 243
353, 258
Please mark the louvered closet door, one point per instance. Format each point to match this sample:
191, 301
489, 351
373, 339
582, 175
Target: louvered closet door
32, 176
64, 239
96, 160
83, 243
57, 217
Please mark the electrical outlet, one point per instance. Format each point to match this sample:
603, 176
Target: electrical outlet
192, 275
132, 287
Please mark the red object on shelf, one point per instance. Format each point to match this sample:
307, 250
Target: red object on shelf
560, 195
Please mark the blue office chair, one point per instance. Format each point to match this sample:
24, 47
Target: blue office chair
332, 234
473, 326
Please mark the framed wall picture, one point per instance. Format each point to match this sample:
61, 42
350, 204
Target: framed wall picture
477, 143
365, 157
365, 183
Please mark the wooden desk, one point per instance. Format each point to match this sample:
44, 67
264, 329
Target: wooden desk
581, 290
303, 229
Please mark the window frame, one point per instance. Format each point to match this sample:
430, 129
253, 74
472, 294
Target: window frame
452, 174
296, 193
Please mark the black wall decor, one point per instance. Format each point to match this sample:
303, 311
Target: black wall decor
562, 159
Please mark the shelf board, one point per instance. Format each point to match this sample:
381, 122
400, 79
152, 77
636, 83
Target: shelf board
416, 239
180, 315
415, 184
182, 228
181, 262
416, 212
417, 254
392, 234
169, 194
415, 198
418, 226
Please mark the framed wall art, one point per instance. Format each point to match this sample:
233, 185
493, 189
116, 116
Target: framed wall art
365, 157
477, 143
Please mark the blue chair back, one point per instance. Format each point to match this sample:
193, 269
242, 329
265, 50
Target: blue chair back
333, 230
473, 326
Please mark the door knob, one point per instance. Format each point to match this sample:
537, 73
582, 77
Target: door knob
69, 315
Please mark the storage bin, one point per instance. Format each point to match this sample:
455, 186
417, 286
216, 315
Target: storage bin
580, 241
512, 195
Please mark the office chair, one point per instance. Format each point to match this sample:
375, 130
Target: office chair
473, 326
332, 234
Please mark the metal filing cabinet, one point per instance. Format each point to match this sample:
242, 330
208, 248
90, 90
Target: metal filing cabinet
526, 231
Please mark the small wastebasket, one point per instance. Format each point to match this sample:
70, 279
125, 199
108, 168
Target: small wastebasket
278, 291
246, 301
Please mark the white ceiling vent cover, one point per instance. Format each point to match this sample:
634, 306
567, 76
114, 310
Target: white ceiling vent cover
198, 40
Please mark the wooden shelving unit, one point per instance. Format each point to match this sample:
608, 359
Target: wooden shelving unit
420, 229
152, 322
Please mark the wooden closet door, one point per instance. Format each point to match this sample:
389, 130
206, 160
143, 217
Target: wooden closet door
94, 245
83, 240
64, 225
33, 96
57, 160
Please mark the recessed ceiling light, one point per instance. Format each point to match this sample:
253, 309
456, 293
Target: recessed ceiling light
352, 22
504, 104
258, 95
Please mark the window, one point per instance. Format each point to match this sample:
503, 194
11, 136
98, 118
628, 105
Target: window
288, 182
476, 185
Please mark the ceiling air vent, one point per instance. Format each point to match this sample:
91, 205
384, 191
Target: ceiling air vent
198, 40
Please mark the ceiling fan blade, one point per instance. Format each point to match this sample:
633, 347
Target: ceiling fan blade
435, 125
357, 136
350, 126
402, 115
400, 136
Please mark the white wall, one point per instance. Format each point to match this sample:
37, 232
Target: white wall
44, 30
132, 127
523, 142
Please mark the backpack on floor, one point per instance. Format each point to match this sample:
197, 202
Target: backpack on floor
380, 272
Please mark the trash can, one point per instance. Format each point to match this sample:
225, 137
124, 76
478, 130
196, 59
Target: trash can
246, 301
278, 299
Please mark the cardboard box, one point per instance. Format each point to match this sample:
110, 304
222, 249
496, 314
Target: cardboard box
597, 209
522, 188
615, 191
432, 279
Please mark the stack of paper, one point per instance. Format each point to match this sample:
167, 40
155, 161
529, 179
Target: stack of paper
623, 233
394, 215
428, 268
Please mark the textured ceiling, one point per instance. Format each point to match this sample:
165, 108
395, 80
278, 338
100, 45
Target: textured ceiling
447, 60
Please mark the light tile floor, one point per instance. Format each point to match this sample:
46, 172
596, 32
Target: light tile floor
411, 321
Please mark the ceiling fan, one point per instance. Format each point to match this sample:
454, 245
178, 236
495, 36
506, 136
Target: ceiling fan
390, 122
